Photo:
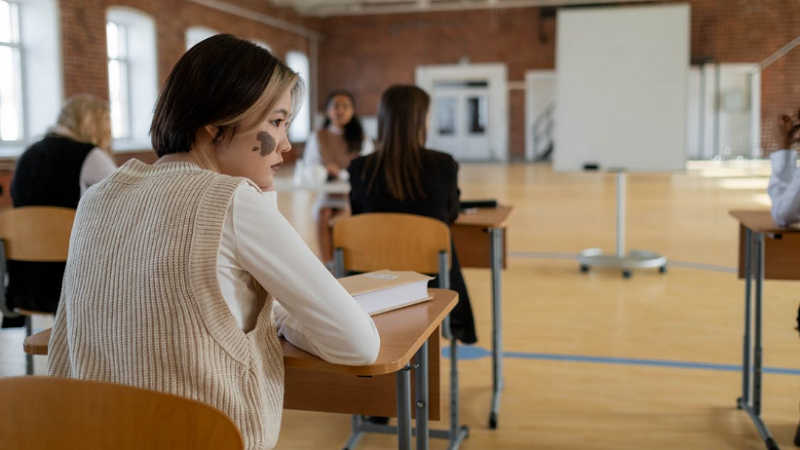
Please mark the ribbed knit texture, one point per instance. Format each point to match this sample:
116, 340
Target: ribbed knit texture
141, 303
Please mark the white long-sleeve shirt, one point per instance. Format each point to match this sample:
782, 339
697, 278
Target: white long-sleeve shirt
313, 311
784, 187
312, 159
96, 166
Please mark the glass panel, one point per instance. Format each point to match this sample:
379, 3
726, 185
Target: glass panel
118, 98
477, 113
116, 40
10, 95
301, 123
9, 23
446, 116
112, 40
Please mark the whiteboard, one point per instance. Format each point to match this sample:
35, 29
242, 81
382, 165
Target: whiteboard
621, 95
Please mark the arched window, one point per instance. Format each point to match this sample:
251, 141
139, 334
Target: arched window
196, 34
131, 45
30, 72
301, 125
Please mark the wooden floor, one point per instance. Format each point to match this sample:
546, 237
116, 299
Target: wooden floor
597, 361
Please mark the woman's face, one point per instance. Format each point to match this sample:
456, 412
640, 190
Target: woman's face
258, 154
340, 110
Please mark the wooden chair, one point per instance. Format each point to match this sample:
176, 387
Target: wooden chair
375, 241
38, 413
34, 234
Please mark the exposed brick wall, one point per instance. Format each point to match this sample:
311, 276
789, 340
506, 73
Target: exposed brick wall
366, 54
84, 37
84, 41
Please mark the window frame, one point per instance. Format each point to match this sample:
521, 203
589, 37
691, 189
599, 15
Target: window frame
20, 75
124, 62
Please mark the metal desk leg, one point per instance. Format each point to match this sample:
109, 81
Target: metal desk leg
748, 290
421, 389
404, 408
754, 268
497, 325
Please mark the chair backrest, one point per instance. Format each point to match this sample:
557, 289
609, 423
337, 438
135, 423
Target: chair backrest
392, 241
38, 413
37, 233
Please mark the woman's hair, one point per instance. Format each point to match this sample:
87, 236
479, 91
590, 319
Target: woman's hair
84, 118
353, 131
402, 127
222, 81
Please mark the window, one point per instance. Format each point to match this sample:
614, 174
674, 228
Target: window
132, 77
301, 125
31, 91
11, 120
118, 87
194, 35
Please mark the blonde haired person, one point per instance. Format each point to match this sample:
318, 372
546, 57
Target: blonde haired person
56, 171
176, 269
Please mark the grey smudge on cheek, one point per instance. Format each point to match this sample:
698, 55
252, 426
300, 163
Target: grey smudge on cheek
268, 144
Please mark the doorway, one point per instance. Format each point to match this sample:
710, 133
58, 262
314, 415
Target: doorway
469, 110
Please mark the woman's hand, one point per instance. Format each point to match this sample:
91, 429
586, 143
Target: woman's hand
789, 131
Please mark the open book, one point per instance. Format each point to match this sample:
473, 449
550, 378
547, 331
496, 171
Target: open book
386, 290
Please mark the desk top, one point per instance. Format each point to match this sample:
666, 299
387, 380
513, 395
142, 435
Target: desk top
403, 331
486, 217
760, 221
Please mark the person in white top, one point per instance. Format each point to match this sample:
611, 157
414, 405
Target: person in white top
326, 157
784, 186
183, 274
784, 183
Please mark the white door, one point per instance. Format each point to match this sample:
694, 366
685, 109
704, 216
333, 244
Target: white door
469, 117
459, 120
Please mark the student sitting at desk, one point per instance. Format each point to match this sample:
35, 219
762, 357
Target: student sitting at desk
329, 151
56, 171
174, 268
403, 176
784, 185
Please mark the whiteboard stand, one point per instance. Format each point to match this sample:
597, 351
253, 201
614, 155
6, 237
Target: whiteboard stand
635, 259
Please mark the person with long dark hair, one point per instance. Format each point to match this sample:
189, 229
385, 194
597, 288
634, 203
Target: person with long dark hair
182, 274
403, 176
328, 152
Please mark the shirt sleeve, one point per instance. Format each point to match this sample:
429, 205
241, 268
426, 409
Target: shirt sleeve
784, 187
315, 312
96, 166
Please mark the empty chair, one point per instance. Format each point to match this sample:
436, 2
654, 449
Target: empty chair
394, 241
33, 234
38, 413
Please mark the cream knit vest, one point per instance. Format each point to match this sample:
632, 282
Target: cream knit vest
141, 304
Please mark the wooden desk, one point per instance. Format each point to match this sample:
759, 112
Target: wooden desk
316, 385
756, 254
480, 242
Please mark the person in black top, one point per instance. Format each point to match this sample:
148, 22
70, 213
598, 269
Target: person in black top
56, 171
403, 176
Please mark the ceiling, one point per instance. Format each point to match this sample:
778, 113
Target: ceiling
348, 7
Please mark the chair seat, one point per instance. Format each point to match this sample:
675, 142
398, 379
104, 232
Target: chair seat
29, 312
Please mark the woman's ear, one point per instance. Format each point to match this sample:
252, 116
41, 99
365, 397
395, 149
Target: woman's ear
211, 130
